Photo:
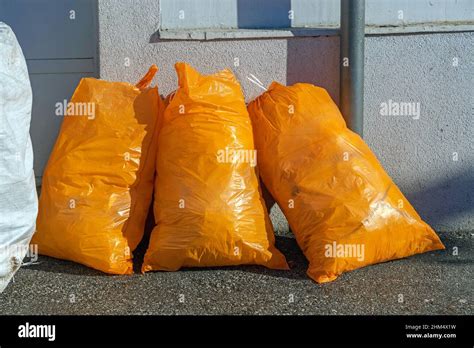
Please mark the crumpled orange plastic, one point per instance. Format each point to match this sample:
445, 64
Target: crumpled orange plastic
343, 208
208, 206
98, 182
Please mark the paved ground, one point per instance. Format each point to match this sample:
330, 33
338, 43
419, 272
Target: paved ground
432, 283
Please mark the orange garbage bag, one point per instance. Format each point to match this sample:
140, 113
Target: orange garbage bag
343, 208
98, 182
208, 206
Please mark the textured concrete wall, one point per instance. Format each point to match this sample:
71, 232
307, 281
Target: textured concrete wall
418, 154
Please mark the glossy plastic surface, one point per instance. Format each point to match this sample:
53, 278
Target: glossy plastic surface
344, 210
98, 183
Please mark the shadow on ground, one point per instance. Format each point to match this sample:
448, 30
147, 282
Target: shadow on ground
432, 283
285, 244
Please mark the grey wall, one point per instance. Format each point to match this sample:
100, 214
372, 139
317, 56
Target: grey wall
406, 68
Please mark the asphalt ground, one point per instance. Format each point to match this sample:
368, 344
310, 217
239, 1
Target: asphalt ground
432, 283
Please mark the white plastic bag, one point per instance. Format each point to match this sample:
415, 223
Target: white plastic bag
18, 199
